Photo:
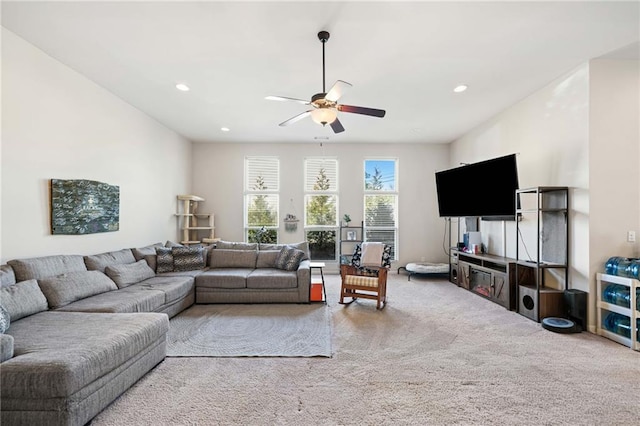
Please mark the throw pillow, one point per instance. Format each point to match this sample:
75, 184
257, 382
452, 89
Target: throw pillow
7, 277
164, 260
23, 299
46, 266
141, 252
131, 273
172, 244
187, 258
5, 319
98, 262
289, 258
66, 288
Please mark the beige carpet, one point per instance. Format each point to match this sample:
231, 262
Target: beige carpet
436, 355
284, 330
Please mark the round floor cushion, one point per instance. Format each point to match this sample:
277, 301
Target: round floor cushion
428, 268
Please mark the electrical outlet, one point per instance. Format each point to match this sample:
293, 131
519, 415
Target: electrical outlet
422, 259
631, 236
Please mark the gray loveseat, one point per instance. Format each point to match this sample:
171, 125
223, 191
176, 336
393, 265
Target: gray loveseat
83, 329
246, 273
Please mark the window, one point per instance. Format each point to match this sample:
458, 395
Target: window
381, 203
321, 206
261, 195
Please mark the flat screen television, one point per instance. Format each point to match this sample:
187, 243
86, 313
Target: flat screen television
486, 189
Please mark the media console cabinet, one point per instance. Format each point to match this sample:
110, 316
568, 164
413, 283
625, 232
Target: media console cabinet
492, 277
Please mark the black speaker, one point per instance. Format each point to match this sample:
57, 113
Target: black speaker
576, 303
453, 273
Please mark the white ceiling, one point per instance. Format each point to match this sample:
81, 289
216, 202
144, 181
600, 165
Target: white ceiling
402, 57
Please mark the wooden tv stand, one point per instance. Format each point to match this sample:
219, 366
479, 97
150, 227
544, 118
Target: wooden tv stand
489, 276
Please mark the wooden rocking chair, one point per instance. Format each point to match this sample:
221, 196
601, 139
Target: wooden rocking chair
366, 280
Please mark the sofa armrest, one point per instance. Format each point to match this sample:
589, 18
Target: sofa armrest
304, 279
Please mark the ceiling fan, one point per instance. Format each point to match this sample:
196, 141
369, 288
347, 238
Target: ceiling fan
325, 105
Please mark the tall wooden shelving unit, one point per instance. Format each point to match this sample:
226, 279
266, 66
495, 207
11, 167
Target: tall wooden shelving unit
542, 280
194, 225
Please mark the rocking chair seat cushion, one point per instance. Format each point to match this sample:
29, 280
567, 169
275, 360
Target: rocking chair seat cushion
361, 280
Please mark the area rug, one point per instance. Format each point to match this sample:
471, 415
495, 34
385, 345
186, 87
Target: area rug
256, 330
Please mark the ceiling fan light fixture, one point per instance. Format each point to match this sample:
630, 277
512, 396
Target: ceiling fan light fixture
324, 115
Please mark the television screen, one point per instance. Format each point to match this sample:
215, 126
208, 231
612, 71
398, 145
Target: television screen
486, 189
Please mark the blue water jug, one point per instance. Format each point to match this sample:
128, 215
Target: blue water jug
623, 267
611, 267
619, 324
617, 295
632, 269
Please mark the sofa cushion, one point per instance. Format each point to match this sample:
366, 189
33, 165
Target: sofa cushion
69, 287
140, 252
98, 262
23, 299
129, 299
267, 258
6, 347
57, 354
229, 245
192, 274
174, 288
5, 319
302, 245
266, 278
223, 258
187, 258
164, 260
127, 274
289, 258
172, 244
224, 278
47, 266
147, 253
7, 277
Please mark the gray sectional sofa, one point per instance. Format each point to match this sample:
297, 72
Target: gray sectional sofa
83, 329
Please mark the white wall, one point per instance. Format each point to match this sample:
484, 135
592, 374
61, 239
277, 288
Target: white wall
549, 131
58, 124
579, 131
218, 177
614, 173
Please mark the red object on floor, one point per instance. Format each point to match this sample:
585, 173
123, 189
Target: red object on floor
316, 292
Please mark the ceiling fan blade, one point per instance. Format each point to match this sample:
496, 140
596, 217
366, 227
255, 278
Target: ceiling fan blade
284, 98
295, 118
337, 90
362, 110
337, 126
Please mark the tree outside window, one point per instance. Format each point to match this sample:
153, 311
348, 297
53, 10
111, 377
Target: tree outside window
380, 203
321, 209
261, 199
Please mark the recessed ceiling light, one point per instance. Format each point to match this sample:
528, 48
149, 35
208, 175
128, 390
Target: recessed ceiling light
225, 129
461, 88
183, 87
